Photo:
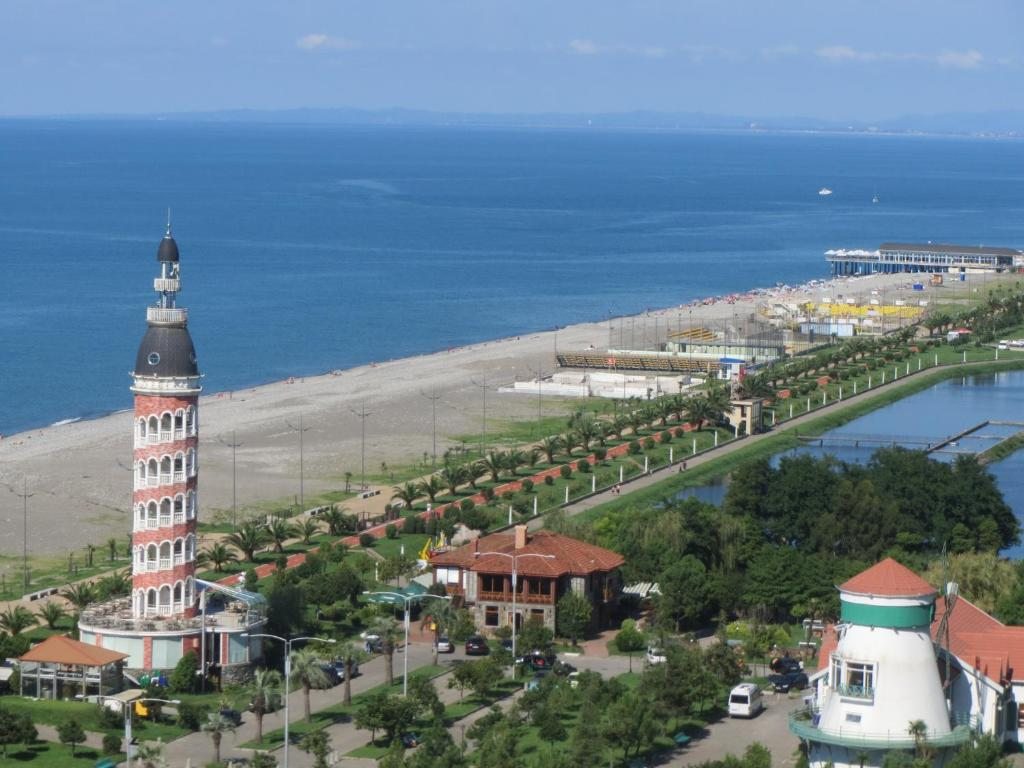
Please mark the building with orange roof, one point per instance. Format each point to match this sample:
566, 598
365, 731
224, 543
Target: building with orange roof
968, 670
59, 666
545, 565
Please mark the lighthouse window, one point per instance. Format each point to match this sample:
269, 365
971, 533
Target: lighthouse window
154, 358
860, 680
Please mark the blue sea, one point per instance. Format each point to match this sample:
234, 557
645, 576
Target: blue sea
311, 248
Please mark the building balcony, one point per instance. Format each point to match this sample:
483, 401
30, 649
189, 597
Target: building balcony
506, 597
162, 284
804, 725
116, 616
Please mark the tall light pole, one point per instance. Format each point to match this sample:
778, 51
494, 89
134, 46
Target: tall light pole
483, 427
128, 724
515, 579
540, 373
234, 445
407, 599
287, 672
301, 430
363, 415
433, 397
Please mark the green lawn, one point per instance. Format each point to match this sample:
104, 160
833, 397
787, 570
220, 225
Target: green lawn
46, 754
56, 712
413, 543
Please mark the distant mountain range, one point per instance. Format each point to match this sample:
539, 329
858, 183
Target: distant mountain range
1007, 123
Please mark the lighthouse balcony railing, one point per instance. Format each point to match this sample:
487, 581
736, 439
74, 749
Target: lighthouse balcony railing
179, 559
861, 692
166, 284
168, 315
166, 477
152, 438
804, 724
151, 565
179, 517
179, 477
165, 562
179, 434
153, 481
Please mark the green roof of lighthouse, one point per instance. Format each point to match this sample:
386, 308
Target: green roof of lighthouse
888, 579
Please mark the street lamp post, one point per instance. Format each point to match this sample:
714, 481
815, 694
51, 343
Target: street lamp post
515, 578
301, 430
287, 673
407, 599
234, 445
128, 724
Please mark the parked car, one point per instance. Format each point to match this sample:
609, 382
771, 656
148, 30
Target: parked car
372, 643
232, 716
445, 645
539, 660
655, 655
476, 645
788, 681
410, 740
785, 664
564, 669
339, 669
330, 673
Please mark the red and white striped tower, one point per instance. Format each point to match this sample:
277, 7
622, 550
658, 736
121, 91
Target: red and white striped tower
166, 383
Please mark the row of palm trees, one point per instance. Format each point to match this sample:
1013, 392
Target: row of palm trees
16, 619
585, 430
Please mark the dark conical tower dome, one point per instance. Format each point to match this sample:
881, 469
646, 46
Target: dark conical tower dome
168, 250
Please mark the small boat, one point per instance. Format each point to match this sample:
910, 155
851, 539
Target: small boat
824, 191
874, 198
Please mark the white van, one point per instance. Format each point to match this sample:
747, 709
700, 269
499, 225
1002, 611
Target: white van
745, 700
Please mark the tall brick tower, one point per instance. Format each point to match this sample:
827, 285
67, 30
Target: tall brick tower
166, 383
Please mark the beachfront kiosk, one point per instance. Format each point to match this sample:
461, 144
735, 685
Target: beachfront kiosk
168, 611
881, 689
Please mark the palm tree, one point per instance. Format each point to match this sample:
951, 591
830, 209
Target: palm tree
452, 476
387, 630
698, 410
112, 549
217, 725
550, 446
618, 426
532, 456
663, 407
249, 537
637, 420
493, 463
337, 521
90, 550
407, 494
16, 619
350, 655
218, 555
117, 584
264, 696
586, 432
444, 616
431, 487
79, 595
473, 472
918, 730
279, 530
52, 612
514, 459
307, 672
307, 529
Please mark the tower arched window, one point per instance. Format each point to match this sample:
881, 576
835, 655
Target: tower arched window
153, 432
140, 432
166, 465
179, 467
179, 508
165, 511
151, 606
190, 548
151, 515
165, 599
190, 592
179, 424
166, 426
152, 473
190, 459
190, 420
140, 516
140, 474
140, 559
190, 505
165, 555
179, 551
179, 594
151, 557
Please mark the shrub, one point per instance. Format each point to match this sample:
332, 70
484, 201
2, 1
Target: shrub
111, 744
192, 715
183, 678
108, 718
583, 467
414, 524
600, 454
648, 443
630, 638
391, 531
528, 485
251, 579
634, 447
508, 495
565, 471
488, 494
466, 505
549, 480
366, 540
666, 436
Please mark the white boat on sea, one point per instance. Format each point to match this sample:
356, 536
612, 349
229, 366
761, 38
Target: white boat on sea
824, 191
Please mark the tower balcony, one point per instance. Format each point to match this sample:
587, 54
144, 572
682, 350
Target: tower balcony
166, 284
166, 315
804, 725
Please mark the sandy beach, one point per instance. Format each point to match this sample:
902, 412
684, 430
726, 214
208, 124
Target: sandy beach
79, 472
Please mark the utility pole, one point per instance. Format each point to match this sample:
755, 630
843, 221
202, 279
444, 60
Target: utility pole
234, 445
363, 414
301, 430
539, 373
433, 397
483, 428
25, 496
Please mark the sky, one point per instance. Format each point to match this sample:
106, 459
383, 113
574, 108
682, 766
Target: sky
831, 59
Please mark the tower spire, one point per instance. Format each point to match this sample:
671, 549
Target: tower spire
168, 233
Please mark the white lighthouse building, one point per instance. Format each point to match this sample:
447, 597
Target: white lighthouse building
169, 611
881, 689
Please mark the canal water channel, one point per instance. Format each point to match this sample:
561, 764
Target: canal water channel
928, 417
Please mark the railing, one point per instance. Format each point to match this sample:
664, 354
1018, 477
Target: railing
166, 284
179, 517
168, 316
165, 562
151, 565
179, 433
153, 481
496, 597
179, 559
506, 597
863, 692
152, 438
804, 725
179, 477
152, 522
